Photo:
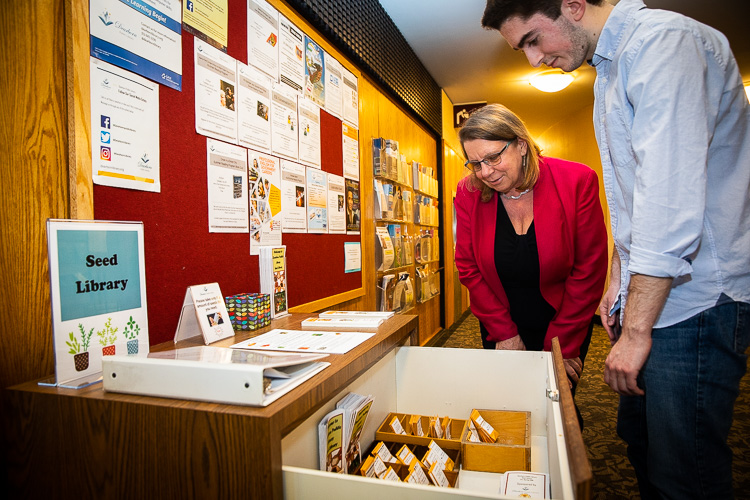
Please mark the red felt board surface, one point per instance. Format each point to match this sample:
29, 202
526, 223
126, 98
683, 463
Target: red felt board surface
179, 250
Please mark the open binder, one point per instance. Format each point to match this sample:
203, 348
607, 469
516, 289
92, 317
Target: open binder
215, 374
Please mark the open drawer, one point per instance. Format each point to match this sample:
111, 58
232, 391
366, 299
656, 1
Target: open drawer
452, 382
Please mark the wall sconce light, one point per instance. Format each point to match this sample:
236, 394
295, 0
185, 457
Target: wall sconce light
551, 81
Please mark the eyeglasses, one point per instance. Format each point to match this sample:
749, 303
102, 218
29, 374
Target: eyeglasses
491, 160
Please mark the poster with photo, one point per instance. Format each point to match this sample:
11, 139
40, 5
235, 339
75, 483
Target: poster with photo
215, 89
293, 197
334, 81
284, 125
315, 69
336, 204
227, 192
317, 201
263, 37
264, 192
309, 133
291, 55
253, 108
353, 212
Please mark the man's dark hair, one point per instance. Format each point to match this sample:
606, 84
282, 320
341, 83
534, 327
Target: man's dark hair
498, 11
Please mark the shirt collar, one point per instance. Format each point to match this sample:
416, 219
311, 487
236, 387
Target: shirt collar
614, 29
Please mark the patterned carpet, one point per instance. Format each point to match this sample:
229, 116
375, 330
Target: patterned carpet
614, 478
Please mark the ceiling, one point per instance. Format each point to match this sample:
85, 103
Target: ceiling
473, 65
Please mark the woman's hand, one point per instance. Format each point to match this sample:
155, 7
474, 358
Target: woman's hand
574, 368
511, 344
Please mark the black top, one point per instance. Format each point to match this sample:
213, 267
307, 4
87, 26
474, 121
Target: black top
517, 263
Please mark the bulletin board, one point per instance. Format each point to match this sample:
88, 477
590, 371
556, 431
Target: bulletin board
179, 250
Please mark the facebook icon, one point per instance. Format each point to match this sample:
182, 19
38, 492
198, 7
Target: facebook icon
105, 121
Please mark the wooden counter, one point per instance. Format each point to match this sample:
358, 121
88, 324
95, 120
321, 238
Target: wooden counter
88, 443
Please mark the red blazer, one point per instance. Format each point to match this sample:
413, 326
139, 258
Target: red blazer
572, 242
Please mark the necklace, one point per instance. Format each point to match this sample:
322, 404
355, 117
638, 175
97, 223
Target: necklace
511, 197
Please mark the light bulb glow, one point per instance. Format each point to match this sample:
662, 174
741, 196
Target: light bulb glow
551, 81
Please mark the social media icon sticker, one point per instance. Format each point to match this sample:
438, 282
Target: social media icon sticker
105, 121
105, 137
105, 153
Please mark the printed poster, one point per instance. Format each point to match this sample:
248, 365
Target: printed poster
352, 206
336, 204
207, 20
293, 197
264, 188
144, 37
315, 78
334, 81
253, 108
227, 191
291, 50
309, 133
350, 145
125, 129
284, 140
215, 93
263, 37
350, 96
317, 201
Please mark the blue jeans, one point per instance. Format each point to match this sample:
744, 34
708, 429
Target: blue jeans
677, 432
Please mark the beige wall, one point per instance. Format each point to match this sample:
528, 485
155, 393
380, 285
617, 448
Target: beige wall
574, 140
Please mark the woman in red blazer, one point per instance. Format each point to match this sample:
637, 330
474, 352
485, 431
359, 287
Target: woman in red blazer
531, 245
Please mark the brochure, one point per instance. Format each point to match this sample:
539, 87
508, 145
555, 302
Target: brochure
273, 278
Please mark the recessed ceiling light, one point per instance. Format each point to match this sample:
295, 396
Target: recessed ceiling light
551, 81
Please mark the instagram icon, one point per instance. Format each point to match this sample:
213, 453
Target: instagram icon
105, 153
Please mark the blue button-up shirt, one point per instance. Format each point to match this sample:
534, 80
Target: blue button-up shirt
673, 125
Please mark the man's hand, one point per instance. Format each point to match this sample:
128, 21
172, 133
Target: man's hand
611, 323
646, 298
511, 344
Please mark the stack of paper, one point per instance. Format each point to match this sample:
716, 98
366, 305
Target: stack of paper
342, 324
339, 433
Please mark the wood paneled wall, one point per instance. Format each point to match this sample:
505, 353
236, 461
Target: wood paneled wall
33, 178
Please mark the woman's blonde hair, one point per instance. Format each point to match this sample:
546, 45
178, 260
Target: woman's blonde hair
495, 122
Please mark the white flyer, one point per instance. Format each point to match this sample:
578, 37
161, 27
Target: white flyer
293, 198
334, 81
204, 311
264, 188
215, 89
309, 132
315, 78
284, 141
317, 201
227, 191
305, 341
125, 129
352, 256
350, 147
143, 36
336, 204
291, 50
263, 37
253, 108
350, 98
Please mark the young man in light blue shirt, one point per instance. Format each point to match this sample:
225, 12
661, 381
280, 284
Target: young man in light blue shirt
673, 126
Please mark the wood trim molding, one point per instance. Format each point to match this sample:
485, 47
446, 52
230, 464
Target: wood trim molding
79, 108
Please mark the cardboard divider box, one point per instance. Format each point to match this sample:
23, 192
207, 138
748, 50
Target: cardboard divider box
419, 451
511, 451
385, 433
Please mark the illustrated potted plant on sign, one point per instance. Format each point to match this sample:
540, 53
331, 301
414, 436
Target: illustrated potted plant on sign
131, 332
80, 351
107, 338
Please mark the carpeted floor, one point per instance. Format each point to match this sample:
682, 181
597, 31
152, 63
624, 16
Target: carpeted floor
614, 478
